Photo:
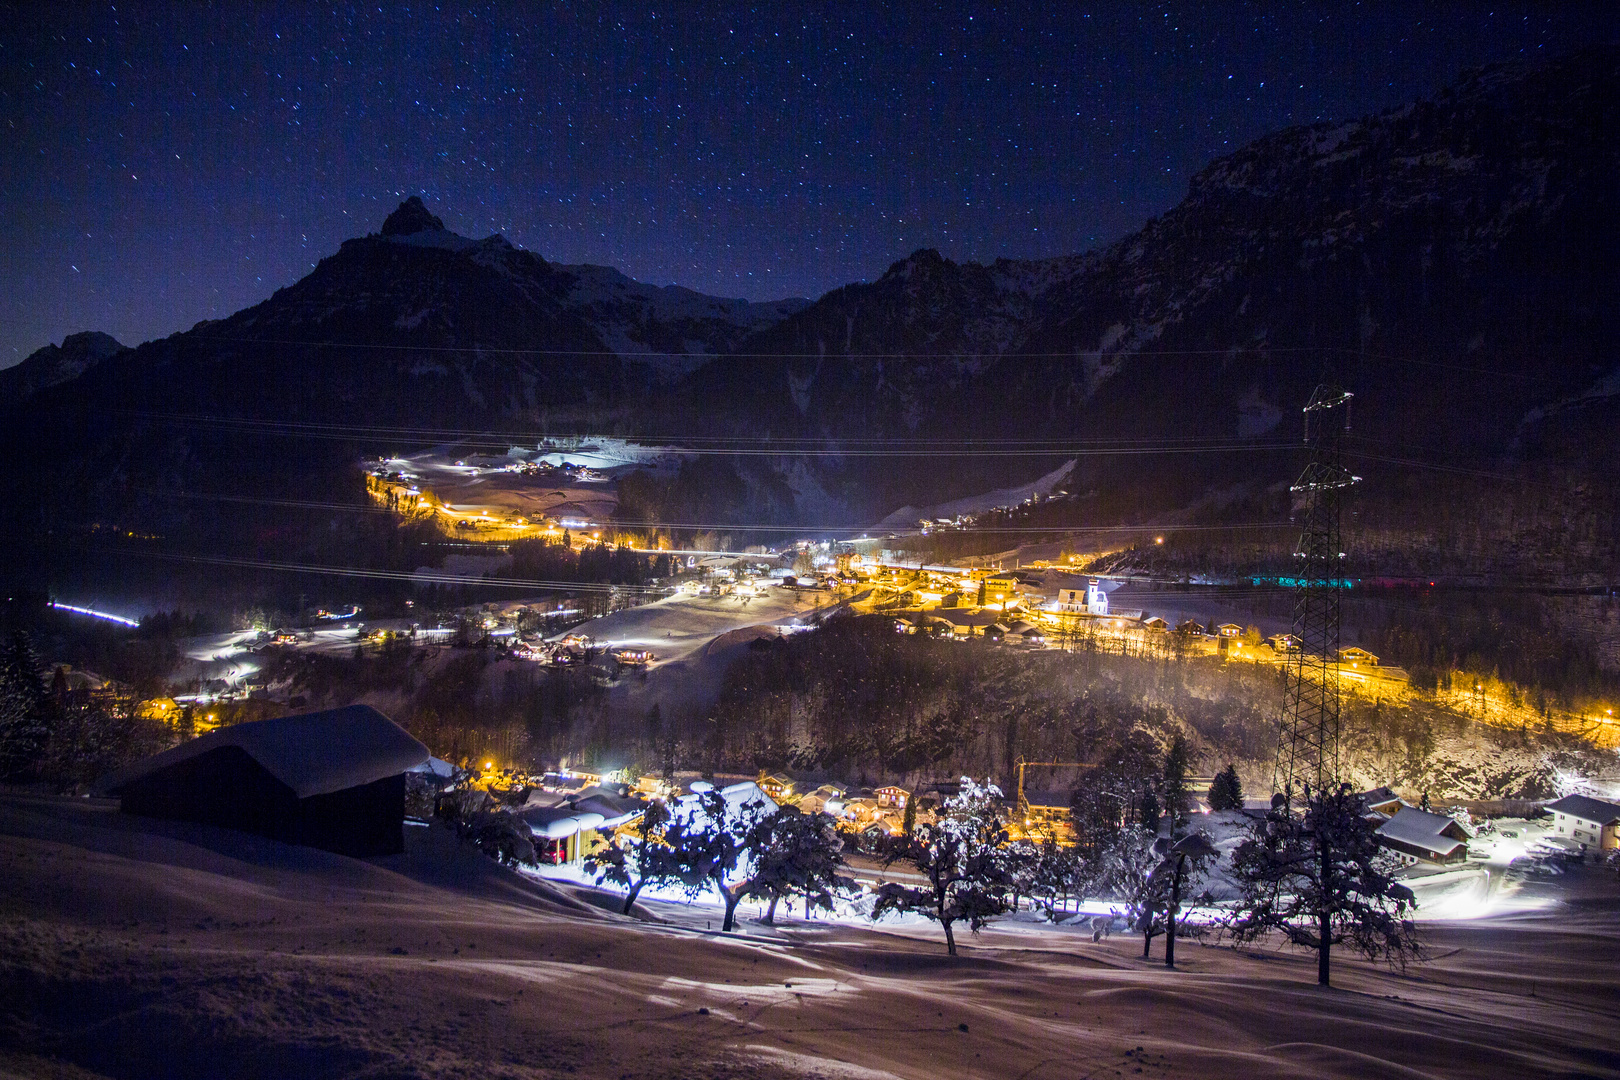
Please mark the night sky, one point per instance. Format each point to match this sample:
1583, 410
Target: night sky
162, 165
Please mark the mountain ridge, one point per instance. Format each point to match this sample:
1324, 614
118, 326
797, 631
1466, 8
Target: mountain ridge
1428, 256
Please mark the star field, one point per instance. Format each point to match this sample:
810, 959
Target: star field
165, 164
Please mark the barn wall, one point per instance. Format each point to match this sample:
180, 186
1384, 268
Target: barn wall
227, 788
223, 787
364, 820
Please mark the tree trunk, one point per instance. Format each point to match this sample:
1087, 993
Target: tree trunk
732, 899
1147, 943
630, 898
1171, 913
1324, 926
950, 939
770, 912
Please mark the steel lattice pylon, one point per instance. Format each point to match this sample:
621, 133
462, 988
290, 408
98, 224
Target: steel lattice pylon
1308, 746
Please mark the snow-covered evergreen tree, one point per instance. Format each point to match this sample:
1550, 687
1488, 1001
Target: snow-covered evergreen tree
24, 721
960, 855
86, 742
1226, 790
1320, 880
1177, 802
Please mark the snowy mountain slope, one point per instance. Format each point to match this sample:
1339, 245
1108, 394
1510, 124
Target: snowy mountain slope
1456, 262
637, 319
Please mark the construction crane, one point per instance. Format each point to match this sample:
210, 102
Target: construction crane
1026, 813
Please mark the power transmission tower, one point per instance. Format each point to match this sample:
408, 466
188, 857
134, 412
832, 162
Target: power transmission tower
1308, 749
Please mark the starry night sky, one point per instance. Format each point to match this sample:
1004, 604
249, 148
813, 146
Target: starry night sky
162, 165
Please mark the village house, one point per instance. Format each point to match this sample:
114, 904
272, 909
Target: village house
1592, 823
999, 589
965, 622
1356, 656
892, 798
777, 787
1381, 801
1419, 836
1229, 630
826, 799
1020, 632
566, 828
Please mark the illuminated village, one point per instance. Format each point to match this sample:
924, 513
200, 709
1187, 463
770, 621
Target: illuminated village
995, 544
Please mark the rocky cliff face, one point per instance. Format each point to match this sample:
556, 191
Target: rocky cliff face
56, 364
1454, 262
1477, 228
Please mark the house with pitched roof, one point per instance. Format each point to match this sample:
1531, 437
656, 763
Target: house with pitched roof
1420, 836
1592, 823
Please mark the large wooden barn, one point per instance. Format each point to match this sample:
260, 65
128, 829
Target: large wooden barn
332, 780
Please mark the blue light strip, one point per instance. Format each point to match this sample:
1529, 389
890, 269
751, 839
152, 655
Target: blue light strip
94, 614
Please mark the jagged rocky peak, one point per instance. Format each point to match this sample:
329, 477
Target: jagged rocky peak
411, 217
56, 364
91, 343
923, 261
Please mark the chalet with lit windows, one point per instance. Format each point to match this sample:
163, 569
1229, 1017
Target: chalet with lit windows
1356, 656
1419, 836
1024, 633
965, 622
892, 798
777, 787
1592, 823
1229, 630
826, 799
1381, 801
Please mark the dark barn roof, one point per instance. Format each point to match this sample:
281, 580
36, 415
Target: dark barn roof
312, 753
332, 780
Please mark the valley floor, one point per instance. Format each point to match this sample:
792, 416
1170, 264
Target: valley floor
132, 948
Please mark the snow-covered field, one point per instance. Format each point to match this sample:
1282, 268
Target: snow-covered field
677, 627
133, 948
474, 483
908, 516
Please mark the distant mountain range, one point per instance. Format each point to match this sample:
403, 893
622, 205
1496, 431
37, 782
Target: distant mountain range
1454, 262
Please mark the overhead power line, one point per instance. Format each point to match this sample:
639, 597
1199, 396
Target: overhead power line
720, 526
819, 355
738, 446
431, 577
